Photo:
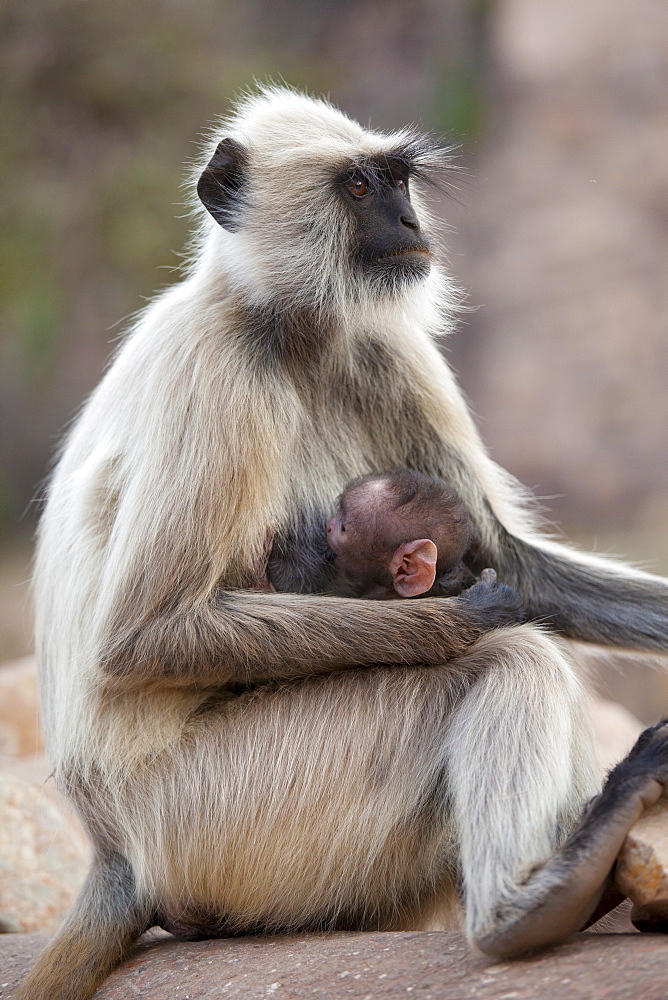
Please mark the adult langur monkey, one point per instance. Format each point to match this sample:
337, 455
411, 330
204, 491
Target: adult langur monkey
247, 761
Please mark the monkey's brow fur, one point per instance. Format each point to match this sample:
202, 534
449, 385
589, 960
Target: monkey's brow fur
294, 760
420, 157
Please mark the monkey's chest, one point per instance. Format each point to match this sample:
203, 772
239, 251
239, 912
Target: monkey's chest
348, 434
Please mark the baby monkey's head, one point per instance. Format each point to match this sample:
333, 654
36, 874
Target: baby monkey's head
395, 532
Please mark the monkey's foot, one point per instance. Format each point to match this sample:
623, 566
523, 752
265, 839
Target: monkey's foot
562, 895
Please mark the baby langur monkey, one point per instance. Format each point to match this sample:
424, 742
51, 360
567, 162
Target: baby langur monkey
401, 534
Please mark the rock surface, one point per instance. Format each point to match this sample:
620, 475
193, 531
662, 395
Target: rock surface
43, 858
642, 868
615, 731
19, 718
380, 966
43, 851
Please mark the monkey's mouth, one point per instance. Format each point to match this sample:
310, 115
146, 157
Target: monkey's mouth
422, 248
403, 265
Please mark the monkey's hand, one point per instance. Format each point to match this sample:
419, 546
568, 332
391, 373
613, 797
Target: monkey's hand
496, 604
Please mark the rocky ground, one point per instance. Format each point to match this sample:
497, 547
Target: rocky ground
43, 851
428, 966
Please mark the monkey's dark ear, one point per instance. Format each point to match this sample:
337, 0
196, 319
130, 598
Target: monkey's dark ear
218, 187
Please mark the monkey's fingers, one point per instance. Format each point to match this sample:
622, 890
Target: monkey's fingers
488, 576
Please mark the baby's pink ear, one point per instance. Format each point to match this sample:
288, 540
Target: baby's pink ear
413, 567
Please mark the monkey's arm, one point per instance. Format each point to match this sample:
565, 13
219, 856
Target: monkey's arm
581, 596
249, 637
562, 896
584, 597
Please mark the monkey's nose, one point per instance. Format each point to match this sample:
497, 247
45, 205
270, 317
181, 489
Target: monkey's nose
409, 219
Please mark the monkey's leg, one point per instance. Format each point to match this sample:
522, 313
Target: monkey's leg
104, 922
521, 769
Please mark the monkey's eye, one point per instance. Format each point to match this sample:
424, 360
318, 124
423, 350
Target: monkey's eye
402, 187
357, 186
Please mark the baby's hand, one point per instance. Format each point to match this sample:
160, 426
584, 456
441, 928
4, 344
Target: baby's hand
497, 603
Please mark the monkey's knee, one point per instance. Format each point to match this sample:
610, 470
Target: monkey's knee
525, 654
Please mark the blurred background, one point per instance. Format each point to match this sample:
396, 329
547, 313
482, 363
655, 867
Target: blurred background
559, 232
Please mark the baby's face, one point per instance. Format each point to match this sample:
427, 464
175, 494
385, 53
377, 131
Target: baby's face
354, 557
342, 530
360, 511
344, 537
348, 535
335, 532
347, 556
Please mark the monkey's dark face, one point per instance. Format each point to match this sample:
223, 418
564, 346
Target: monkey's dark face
388, 243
